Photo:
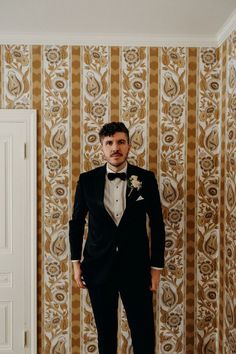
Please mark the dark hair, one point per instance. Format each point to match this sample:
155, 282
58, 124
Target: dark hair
110, 129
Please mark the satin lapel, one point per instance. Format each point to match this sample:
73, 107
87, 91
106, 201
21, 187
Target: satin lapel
131, 194
100, 185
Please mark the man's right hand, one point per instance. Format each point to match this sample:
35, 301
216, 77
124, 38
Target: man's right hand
78, 275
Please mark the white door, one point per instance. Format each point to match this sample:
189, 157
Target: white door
17, 232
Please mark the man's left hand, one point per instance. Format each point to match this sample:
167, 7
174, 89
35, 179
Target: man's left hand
155, 279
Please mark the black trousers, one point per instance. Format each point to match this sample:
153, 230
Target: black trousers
137, 300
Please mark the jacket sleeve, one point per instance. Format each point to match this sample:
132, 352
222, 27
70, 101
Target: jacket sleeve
76, 224
156, 223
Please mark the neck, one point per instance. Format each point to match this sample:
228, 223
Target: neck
117, 168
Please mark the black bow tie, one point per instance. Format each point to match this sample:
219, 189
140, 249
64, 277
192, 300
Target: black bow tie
112, 176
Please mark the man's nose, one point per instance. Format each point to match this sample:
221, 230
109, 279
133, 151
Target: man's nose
115, 147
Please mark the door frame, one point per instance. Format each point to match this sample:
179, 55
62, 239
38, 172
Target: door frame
29, 118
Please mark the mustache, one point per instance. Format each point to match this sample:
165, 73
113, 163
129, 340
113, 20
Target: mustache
116, 154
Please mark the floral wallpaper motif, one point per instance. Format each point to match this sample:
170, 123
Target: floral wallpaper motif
56, 111
133, 108
17, 70
230, 202
172, 186
134, 101
151, 90
95, 102
208, 184
95, 73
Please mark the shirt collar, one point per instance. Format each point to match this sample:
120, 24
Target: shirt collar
124, 169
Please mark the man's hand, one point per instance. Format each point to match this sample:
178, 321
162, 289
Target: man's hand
155, 279
78, 275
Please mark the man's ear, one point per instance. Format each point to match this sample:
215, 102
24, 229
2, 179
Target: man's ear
101, 142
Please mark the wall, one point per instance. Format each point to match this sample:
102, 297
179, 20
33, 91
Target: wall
180, 107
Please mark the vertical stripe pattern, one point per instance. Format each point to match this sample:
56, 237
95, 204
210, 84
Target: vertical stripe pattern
56, 172
208, 199
76, 148
190, 197
230, 201
114, 86
180, 107
36, 104
172, 185
95, 98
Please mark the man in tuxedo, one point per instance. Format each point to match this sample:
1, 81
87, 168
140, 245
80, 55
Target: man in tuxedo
117, 258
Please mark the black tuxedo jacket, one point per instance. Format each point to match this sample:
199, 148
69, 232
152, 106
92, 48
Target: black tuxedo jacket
105, 240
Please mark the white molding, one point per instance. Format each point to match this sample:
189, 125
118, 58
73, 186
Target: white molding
228, 27
121, 39
110, 39
32, 212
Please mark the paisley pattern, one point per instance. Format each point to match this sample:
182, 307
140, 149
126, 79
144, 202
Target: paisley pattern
208, 202
134, 110
56, 318
230, 206
172, 150
17, 72
181, 115
134, 101
95, 103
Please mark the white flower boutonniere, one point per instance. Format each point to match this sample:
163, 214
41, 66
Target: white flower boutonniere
134, 183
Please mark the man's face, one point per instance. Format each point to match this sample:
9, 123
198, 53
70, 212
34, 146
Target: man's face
116, 149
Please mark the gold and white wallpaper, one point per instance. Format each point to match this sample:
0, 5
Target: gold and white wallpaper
208, 200
230, 200
180, 107
172, 127
56, 197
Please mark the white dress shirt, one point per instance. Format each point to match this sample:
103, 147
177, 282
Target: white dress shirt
115, 196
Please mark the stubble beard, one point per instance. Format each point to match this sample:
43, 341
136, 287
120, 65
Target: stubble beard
118, 164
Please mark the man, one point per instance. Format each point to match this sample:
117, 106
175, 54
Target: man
117, 258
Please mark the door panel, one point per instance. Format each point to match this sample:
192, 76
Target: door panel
15, 240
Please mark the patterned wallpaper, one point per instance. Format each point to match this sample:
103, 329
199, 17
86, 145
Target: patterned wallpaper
180, 107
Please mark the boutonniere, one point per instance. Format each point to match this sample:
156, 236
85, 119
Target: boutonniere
134, 183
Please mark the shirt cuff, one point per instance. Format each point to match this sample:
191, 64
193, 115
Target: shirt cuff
75, 260
157, 268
